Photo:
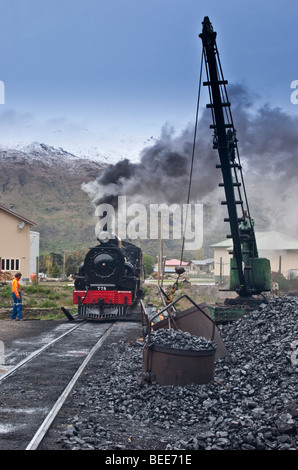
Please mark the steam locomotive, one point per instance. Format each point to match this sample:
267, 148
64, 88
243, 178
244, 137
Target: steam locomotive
109, 282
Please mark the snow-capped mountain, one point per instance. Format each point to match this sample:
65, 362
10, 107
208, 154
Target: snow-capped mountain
37, 152
44, 185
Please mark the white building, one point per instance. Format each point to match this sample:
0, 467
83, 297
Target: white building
198, 266
15, 243
34, 252
280, 249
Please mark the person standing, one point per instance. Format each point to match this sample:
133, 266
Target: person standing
17, 298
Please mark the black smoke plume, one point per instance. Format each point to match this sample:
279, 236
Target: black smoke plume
268, 146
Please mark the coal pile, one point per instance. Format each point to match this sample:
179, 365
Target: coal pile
251, 404
177, 339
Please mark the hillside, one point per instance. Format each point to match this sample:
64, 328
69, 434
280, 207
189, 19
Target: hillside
44, 185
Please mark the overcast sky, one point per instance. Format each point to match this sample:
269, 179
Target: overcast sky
109, 74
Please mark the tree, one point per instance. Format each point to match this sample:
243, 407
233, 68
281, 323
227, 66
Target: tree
45, 263
55, 271
149, 264
49, 261
73, 262
54, 262
57, 259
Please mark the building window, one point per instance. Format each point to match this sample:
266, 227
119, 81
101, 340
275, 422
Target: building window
10, 264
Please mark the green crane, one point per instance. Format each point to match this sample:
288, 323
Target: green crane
249, 274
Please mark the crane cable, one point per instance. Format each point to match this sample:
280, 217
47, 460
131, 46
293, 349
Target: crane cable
192, 157
175, 285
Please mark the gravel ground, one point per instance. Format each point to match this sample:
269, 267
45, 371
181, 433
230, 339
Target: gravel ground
251, 404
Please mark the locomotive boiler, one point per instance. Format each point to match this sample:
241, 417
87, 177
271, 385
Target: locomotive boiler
110, 279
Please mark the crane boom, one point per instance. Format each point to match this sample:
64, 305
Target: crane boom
249, 274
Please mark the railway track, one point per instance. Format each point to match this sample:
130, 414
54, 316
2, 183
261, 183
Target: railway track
34, 390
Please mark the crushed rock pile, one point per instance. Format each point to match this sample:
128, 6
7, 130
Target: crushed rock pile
177, 339
251, 404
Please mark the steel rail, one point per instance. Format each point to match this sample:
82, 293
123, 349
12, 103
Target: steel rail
43, 429
38, 351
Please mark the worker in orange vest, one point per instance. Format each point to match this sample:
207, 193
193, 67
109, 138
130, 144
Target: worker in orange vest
17, 298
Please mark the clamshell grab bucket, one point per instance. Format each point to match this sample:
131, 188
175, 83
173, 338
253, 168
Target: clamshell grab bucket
171, 366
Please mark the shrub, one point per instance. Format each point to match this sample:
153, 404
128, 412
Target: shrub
5, 292
48, 304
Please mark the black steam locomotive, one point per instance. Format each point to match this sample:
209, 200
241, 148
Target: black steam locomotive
110, 280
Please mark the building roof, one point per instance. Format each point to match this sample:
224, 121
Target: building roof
202, 262
166, 270
9, 211
271, 240
175, 262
